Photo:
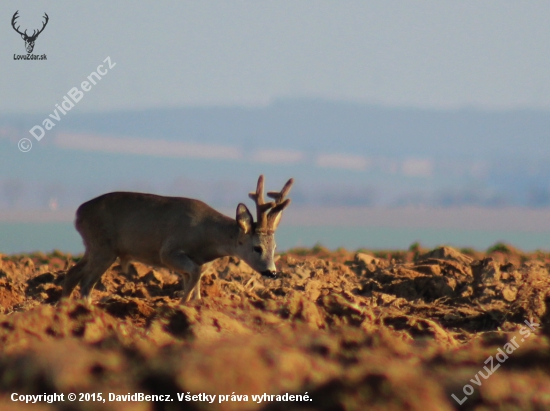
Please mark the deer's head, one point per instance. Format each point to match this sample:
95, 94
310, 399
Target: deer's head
29, 40
257, 239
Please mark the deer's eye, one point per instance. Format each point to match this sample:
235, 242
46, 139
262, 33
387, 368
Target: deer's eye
258, 249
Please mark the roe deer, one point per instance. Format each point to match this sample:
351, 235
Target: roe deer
181, 234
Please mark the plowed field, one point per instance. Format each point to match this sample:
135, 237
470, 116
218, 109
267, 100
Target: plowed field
341, 330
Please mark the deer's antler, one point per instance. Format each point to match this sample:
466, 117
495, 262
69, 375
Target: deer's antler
34, 33
43, 26
15, 16
261, 206
269, 214
275, 214
279, 196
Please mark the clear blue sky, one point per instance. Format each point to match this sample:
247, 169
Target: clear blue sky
490, 54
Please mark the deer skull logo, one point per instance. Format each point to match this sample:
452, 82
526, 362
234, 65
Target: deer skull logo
29, 40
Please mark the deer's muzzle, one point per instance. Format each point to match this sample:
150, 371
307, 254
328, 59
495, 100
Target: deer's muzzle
269, 274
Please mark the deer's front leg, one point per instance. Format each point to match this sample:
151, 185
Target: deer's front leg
197, 289
179, 261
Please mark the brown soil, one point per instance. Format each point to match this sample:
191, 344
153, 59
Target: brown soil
355, 331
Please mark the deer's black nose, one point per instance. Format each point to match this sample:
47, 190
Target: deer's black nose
269, 274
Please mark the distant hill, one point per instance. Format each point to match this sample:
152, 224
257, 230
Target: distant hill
348, 127
342, 153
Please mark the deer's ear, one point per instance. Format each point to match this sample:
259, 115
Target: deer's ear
244, 218
23, 36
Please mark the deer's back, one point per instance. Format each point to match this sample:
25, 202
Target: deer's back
137, 224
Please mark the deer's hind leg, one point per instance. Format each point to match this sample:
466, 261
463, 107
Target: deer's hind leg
93, 271
73, 277
87, 272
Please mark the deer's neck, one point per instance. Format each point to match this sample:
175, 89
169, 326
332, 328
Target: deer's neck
225, 239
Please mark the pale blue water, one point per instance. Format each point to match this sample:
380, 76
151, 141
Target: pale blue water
27, 237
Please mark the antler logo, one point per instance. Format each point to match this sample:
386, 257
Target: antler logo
29, 40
